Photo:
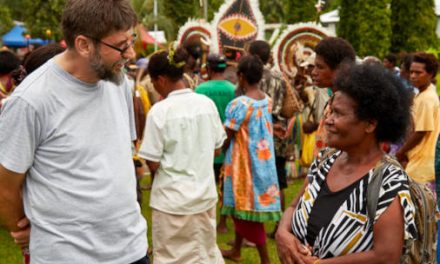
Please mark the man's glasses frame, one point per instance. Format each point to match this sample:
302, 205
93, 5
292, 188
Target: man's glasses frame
121, 50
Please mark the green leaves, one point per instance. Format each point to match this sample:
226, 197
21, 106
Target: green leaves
375, 30
413, 24
5, 20
375, 27
39, 16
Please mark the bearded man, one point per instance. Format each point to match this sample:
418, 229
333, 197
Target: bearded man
65, 136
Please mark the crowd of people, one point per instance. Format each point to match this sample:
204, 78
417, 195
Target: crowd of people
80, 126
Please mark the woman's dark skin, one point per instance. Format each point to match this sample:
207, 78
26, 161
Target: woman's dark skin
360, 153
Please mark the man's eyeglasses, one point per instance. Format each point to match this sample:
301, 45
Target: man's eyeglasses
121, 50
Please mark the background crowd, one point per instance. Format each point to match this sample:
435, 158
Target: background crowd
82, 126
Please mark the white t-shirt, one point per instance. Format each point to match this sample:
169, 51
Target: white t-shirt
182, 133
73, 141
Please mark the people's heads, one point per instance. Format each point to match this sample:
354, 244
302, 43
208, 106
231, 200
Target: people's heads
261, 49
331, 52
424, 67
308, 64
166, 68
40, 55
195, 53
371, 60
390, 61
101, 33
215, 63
405, 65
370, 102
249, 70
8, 62
35, 59
230, 54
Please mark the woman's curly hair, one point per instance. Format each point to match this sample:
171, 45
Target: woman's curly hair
168, 63
379, 95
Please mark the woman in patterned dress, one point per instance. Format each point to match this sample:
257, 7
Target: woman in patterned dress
251, 191
329, 223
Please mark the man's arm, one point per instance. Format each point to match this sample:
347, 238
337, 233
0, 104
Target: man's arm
229, 135
152, 166
413, 140
11, 201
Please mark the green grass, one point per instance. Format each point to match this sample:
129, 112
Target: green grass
438, 84
10, 254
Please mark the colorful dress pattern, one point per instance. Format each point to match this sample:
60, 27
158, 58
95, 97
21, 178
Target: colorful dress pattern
350, 230
251, 190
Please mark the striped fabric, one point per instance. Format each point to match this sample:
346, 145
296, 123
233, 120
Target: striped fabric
350, 230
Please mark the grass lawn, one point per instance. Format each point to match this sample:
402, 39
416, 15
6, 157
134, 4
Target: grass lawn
10, 254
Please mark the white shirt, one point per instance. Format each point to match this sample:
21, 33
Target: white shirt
182, 133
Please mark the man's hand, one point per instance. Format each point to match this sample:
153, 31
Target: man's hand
279, 130
290, 250
22, 236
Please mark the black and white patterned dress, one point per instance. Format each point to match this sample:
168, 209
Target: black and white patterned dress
350, 230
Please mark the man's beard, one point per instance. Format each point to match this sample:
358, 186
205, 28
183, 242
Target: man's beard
105, 72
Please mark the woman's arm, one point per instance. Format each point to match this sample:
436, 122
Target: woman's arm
288, 246
387, 244
229, 135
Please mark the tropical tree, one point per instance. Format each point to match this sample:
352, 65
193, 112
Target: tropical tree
5, 20
331, 5
274, 11
288, 11
347, 27
413, 25
144, 11
300, 11
374, 28
180, 11
41, 17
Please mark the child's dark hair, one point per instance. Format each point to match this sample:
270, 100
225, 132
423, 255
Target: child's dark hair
251, 67
431, 63
168, 63
8, 62
261, 49
392, 58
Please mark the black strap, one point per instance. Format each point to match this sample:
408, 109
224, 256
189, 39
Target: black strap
375, 184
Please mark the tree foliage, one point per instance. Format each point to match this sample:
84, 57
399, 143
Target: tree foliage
43, 15
300, 11
413, 25
145, 13
347, 27
366, 25
39, 16
274, 11
5, 20
288, 11
178, 12
374, 28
